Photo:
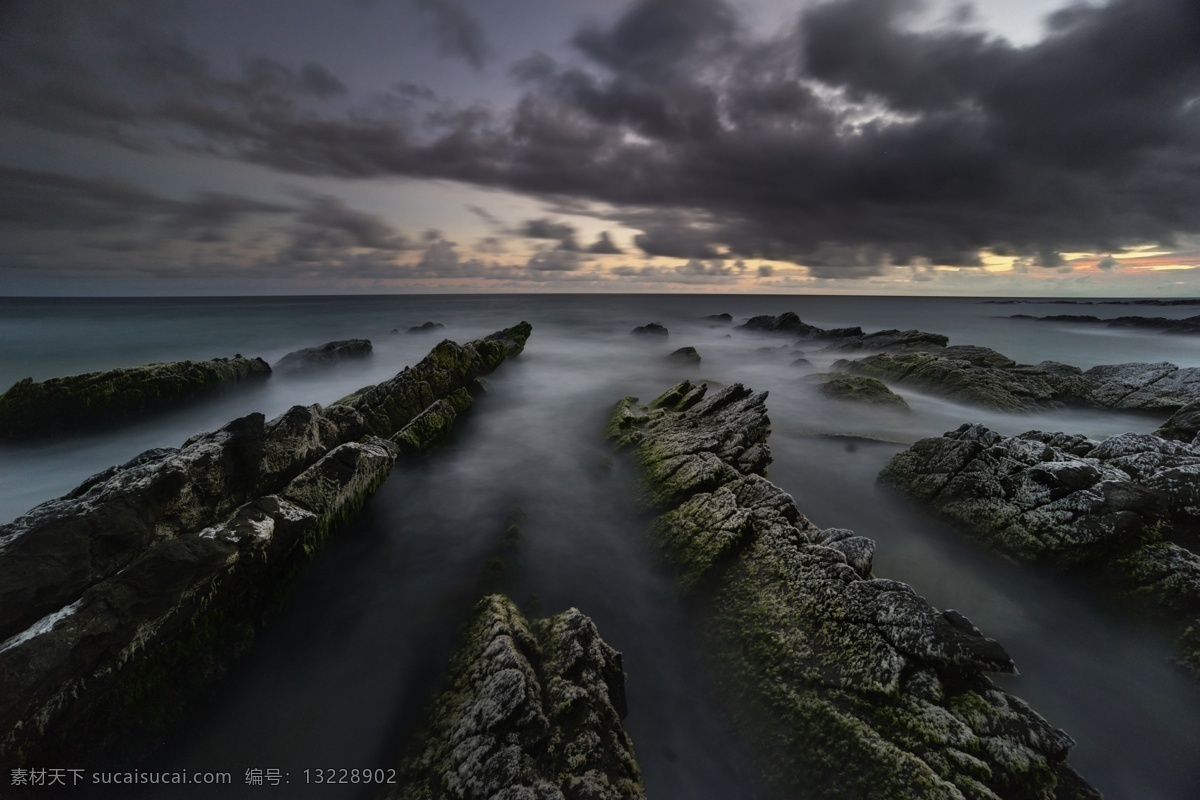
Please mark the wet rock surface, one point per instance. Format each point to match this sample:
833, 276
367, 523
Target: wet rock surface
120, 598
34, 410
328, 353
1108, 510
529, 709
846, 685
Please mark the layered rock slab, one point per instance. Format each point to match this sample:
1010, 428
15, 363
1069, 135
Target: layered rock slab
529, 709
845, 684
1105, 509
195, 543
37, 409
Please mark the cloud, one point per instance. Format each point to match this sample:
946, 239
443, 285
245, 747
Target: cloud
850, 133
459, 33
1107, 262
556, 261
47, 201
604, 246
546, 228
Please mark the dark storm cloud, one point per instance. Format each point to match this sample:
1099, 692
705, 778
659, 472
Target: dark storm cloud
459, 33
50, 201
546, 228
850, 143
327, 227
603, 246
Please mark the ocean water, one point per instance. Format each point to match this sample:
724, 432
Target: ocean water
340, 676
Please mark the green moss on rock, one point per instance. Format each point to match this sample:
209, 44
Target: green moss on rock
526, 710
33, 409
845, 685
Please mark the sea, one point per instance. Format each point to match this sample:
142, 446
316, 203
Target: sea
340, 677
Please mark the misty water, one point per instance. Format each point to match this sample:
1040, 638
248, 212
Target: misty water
339, 678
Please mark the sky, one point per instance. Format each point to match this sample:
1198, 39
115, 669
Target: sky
209, 147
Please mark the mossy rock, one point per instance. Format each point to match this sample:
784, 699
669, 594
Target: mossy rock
859, 389
33, 409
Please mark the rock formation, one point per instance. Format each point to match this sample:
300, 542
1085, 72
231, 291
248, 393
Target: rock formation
1107, 510
650, 329
528, 710
857, 389
33, 409
846, 685
848, 338
328, 353
1189, 325
120, 598
428, 327
685, 355
981, 376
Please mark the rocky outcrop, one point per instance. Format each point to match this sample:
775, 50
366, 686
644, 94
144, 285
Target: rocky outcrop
1104, 509
33, 409
857, 389
685, 355
981, 376
725, 318
650, 329
428, 327
1189, 325
145, 580
1184, 424
846, 685
977, 376
528, 710
1143, 386
328, 353
849, 339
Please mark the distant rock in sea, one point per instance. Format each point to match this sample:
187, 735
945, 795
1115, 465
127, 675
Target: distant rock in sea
427, 327
652, 329
848, 339
1188, 325
326, 354
726, 318
685, 355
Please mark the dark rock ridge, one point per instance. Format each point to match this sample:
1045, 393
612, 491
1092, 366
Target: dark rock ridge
848, 339
1099, 508
32, 409
120, 598
685, 355
981, 376
726, 318
651, 329
846, 685
530, 709
1190, 325
427, 327
857, 389
328, 353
